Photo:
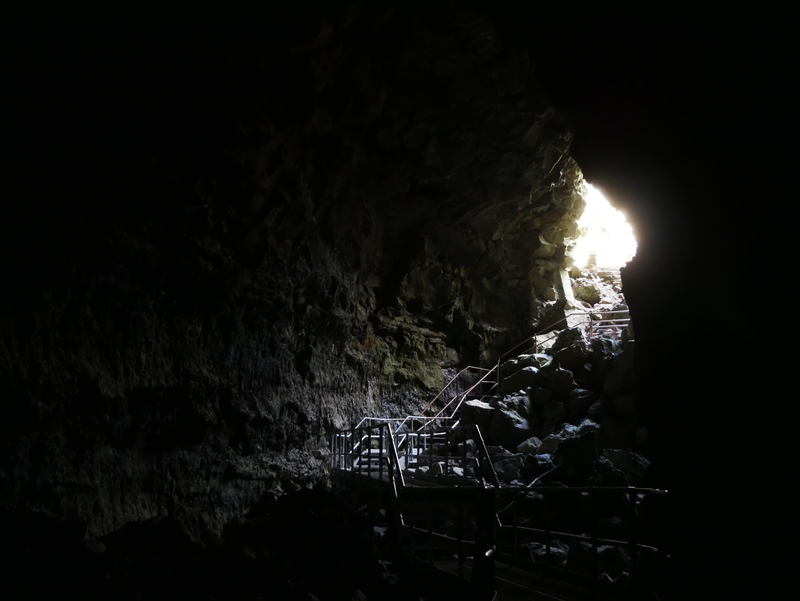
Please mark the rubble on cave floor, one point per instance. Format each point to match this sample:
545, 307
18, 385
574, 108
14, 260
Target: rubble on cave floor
570, 417
598, 289
571, 413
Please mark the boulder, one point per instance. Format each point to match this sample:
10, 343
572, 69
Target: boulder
508, 428
550, 444
586, 425
630, 463
561, 381
522, 379
554, 411
572, 357
536, 465
536, 360
584, 375
602, 346
477, 413
540, 395
605, 350
622, 376
497, 451
580, 556
596, 410
601, 368
549, 426
509, 367
613, 560
565, 338
519, 403
438, 468
540, 360
607, 474
559, 553
579, 453
509, 468
529, 446
467, 448
586, 292
580, 399
622, 578
553, 416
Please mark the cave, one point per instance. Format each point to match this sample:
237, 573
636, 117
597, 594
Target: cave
225, 240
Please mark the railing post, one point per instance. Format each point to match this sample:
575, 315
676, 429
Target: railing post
483, 565
429, 440
447, 453
381, 455
547, 528
595, 559
515, 523
460, 537
634, 546
430, 529
369, 452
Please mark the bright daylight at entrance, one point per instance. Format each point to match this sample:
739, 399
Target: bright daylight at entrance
604, 233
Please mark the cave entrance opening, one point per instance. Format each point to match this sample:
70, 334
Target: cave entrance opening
605, 239
591, 281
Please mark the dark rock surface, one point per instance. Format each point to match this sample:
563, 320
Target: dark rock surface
307, 543
527, 377
508, 428
247, 245
213, 239
559, 553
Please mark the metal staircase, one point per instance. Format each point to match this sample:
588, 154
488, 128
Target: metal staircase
451, 516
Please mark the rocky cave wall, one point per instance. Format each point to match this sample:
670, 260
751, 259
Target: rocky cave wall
225, 244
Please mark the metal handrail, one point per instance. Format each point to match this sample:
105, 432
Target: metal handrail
514, 528
466, 393
535, 345
603, 324
553, 334
578, 537
484, 451
446, 386
508, 527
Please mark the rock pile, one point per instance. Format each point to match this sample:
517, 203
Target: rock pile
597, 289
570, 417
571, 413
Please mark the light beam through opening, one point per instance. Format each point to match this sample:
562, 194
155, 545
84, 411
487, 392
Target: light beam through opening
604, 233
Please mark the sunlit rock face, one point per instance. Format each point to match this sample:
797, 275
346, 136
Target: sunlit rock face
230, 250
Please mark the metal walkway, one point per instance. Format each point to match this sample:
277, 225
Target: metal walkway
451, 515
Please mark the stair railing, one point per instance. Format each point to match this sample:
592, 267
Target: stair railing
596, 327
459, 399
612, 325
453, 383
351, 449
532, 518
